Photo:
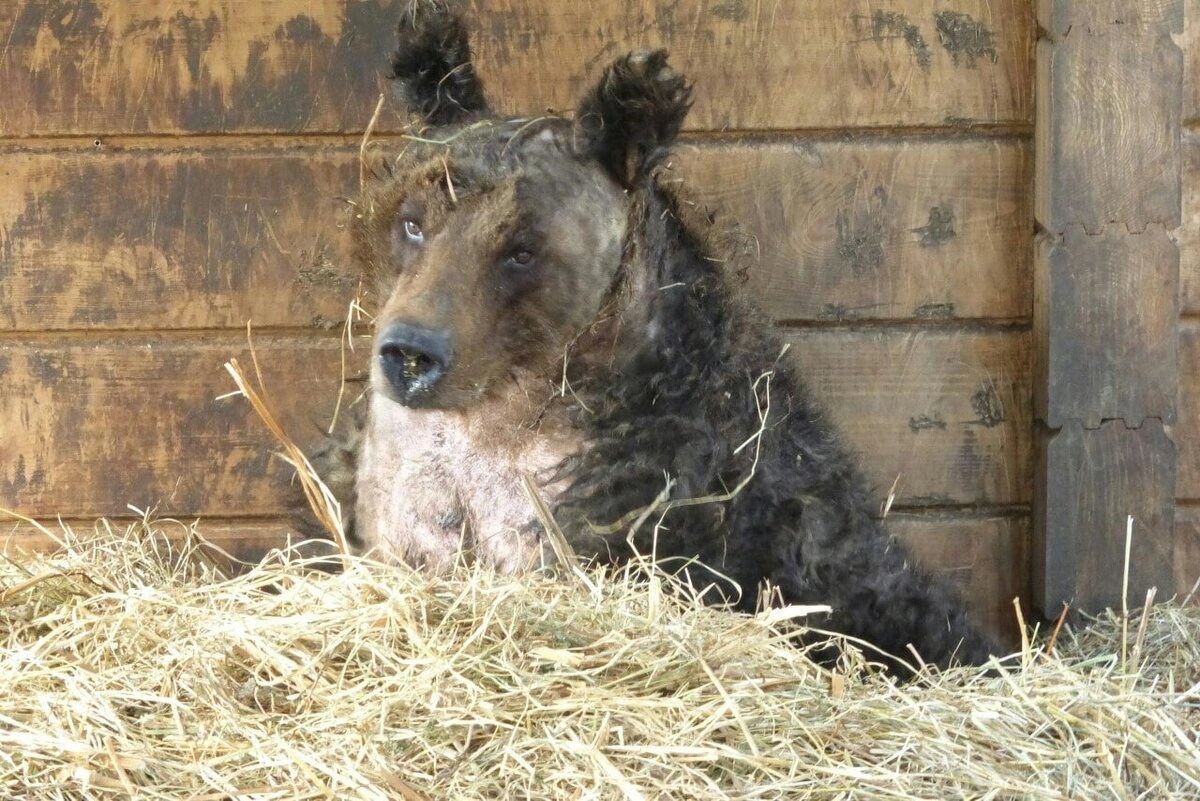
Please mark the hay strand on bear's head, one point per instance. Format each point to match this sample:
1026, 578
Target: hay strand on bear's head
127, 675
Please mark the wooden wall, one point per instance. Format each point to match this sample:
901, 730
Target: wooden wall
1186, 431
170, 170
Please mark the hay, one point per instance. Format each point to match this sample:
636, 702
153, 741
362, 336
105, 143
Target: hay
127, 674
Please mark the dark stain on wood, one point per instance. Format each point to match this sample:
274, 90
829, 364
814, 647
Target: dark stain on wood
732, 10
988, 405
965, 39
934, 311
940, 228
860, 237
890, 24
926, 422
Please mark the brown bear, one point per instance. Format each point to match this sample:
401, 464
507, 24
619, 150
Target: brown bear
544, 311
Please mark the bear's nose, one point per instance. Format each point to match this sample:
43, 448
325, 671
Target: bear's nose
413, 359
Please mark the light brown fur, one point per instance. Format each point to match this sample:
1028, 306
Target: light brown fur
438, 486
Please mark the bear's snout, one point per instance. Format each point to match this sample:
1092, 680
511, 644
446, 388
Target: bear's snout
413, 360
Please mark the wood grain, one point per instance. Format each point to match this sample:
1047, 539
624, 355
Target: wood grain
946, 412
197, 239
1187, 552
102, 67
985, 558
211, 238
97, 424
912, 229
1093, 480
1186, 431
1106, 324
1109, 127
106, 422
1188, 234
1189, 42
1061, 16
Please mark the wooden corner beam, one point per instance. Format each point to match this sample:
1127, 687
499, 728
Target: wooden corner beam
1106, 298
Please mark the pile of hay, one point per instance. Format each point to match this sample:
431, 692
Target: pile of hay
126, 675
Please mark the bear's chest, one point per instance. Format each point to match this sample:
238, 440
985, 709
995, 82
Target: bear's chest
436, 486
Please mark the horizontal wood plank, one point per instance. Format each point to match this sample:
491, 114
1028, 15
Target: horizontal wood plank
101, 424
818, 64
916, 229
97, 425
946, 412
216, 66
984, 558
213, 238
173, 240
1186, 431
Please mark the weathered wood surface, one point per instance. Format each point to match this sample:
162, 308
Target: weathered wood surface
912, 229
1188, 234
1105, 323
210, 238
1109, 124
1186, 431
102, 67
94, 424
1093, 480
1059, 17
986, 558
204, 239
1187, 551
102, 423
1189, 42
947, 412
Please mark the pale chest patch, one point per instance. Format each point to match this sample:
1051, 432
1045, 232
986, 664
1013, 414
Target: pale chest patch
434, 485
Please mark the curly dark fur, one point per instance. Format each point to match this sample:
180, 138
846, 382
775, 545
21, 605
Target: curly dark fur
678, 401
432, 65
634, 114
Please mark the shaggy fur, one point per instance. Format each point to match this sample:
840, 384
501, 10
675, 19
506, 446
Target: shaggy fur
701, 444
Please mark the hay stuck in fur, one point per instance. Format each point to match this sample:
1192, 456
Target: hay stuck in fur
127, 675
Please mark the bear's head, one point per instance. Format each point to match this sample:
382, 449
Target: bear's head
490, 243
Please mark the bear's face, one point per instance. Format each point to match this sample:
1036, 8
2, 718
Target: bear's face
488, 255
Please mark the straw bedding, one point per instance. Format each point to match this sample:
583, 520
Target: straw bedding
127, 674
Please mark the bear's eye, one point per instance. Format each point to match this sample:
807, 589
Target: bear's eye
413, 232
520, 258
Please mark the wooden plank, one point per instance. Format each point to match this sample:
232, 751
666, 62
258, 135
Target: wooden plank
1188, 234
985, 558
946, 411
103, 67
1186, 431
1109, 126
95, 424
1106, 322
1093, 480
1061, 16
913, 229
1189, 42
1187, 552
212, 238
167, 240
112, 66
101, 423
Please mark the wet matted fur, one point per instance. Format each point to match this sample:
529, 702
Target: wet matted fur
599, 347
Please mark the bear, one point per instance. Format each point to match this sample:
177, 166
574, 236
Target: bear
549, 317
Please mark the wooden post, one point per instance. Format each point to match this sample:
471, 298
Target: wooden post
1106, 298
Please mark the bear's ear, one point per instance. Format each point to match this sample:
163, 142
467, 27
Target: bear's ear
432, 65
632, 116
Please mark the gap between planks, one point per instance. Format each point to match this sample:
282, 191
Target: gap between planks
270, 141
